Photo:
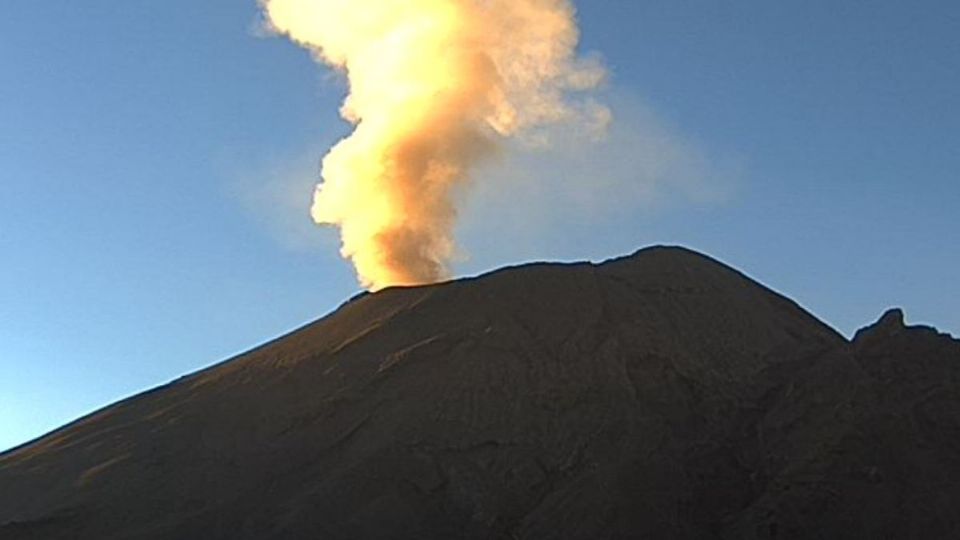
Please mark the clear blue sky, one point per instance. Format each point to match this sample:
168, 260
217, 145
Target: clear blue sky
156, 160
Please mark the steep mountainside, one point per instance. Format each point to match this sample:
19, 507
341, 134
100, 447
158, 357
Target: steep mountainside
661, 395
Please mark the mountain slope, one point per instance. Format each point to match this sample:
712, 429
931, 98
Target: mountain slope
659, 395
870, 435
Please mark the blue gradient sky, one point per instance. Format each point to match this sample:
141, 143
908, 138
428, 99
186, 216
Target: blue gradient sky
156, 161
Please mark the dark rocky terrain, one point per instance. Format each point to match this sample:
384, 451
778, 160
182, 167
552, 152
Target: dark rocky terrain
661, 395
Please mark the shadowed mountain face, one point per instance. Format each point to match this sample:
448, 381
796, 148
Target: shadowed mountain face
661, 395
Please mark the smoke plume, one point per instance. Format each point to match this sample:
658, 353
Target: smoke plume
435, 87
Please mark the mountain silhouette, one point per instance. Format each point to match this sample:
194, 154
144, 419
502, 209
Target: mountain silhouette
659, 395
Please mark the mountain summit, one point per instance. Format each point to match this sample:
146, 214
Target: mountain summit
660, 395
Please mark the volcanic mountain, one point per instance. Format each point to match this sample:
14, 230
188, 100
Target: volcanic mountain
660, 395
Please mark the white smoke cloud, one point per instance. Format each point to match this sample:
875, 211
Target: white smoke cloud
436, 87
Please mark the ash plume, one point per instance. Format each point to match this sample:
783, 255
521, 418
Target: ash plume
436, 86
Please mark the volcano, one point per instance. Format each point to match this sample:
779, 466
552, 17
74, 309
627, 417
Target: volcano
659, 395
